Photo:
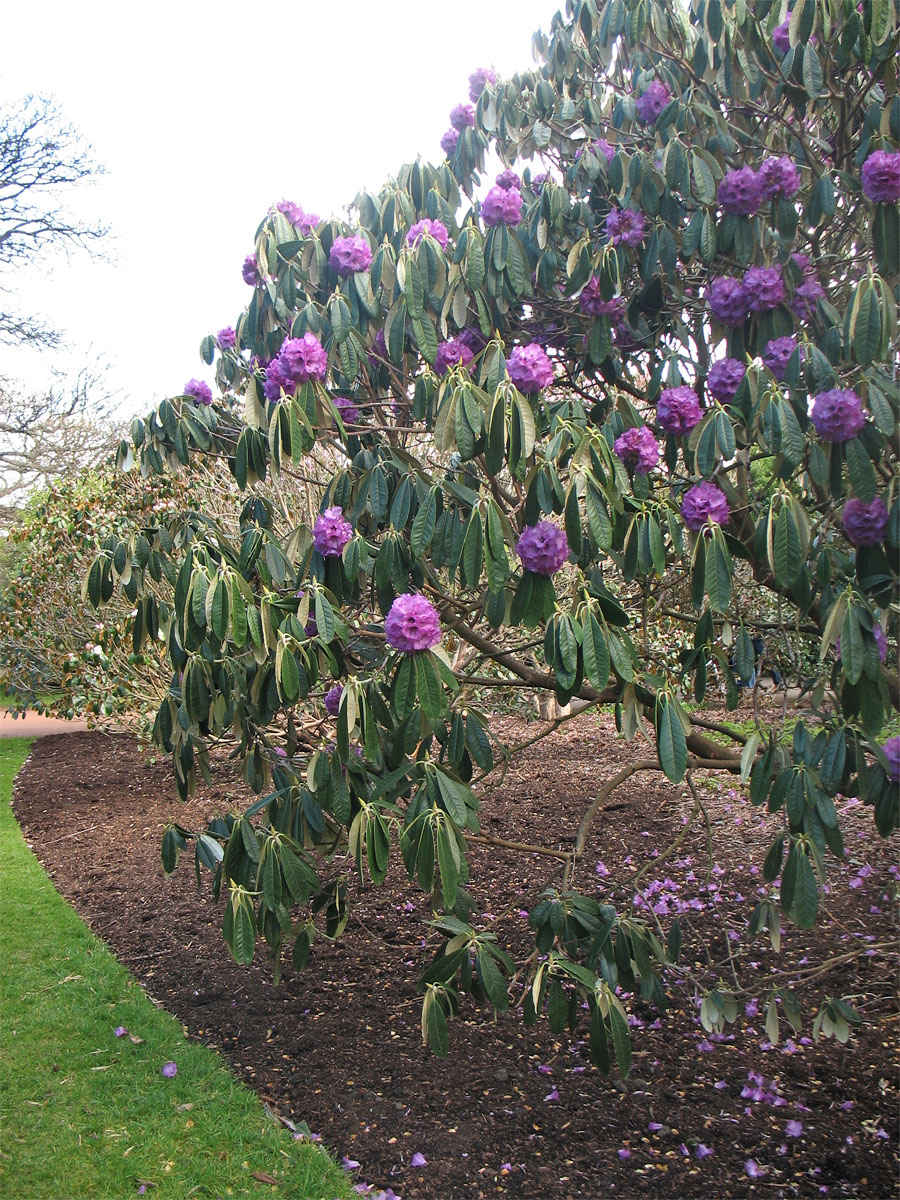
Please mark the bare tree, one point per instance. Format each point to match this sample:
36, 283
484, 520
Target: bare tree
42, 158
52, 434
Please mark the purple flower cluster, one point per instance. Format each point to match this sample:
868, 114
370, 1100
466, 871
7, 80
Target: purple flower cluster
298, 361
507, 180
638, 448
724, 379
350, 254
542, 548
529, 368
333, 700
451, 354
740, 192
652, 102
865, 524
881, 177
473, 338
891, 750
347, 410
764, 288
538, 182
250, 272
502, 206
331, 532
626, 227
777, 355
781, 38
412, 624
678, 410
704, 504
803, 302
429, 228
226, 338
837, 415
461, 116
600, 147
449, 141
199, 391
590, 301
478, 81
727, 299
778, 177
292, 211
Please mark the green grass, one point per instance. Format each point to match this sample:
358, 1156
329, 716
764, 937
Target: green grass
88, 1114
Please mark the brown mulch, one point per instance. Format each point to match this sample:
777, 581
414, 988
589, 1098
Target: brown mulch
513, 1111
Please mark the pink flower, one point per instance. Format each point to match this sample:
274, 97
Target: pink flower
638, 448
449, 141
502, 206
452, 354
704, 504
333, 700
199, 391
461, 116
678, 410
426, 227
837, 415
626, 227
478, 81
529, 368
349, 255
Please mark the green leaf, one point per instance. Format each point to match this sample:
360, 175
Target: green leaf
423, 524
429, 688
671, 743
719, 571
438, 1034
493, 980
599, 1040
806, 894
243, 942
866, 336
404, 687
447, 863
812, 72
860, 469
596, 652
621, 1038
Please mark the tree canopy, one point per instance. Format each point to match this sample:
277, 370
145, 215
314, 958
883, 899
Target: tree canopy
490, 436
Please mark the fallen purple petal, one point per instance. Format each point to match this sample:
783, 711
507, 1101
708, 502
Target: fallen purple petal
418, 1160
793, 1129
349, 1164
120, 1031
170, 1070
624, 1153
554, 1095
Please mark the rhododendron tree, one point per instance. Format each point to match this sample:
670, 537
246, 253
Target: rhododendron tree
655, 357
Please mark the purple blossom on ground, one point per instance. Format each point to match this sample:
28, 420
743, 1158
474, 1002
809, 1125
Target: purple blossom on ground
542, 548
170, 1070
652, 102
331, 532
502, 207
120, 1031
793, 1129
349, 1164
418, 1160
250, 272
333, 700
781, 38
461, 116
740, 191
778, 177
292, 211
704, 1151
347, 410
478, 81
881, 177
412, 624
508, 179
451, 354
350, 254
449, 141
624, 1153
728, 301
704, 504
753, 1169
303, 359
891, 750
724, 379
777, 355
626, 227
865, 524
199, 391
764, 288
638, 448
529, 368
226, 338
837, 415
435, 229
678, 410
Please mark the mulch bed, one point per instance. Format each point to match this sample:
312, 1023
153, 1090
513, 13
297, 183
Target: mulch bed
513, 1111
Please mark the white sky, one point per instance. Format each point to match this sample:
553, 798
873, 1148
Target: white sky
204, 114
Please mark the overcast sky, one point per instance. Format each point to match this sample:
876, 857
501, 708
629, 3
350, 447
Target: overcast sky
203, 115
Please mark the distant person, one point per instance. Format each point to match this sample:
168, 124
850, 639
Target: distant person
759, 650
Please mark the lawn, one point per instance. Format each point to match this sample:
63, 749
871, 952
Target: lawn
88, 1113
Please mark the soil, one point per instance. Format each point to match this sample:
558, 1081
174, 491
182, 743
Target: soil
514, 1111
